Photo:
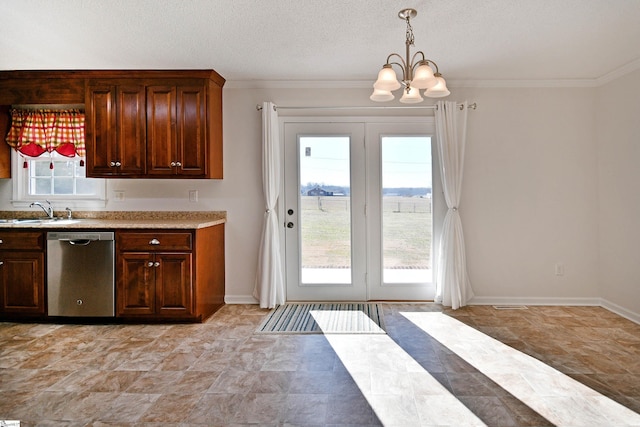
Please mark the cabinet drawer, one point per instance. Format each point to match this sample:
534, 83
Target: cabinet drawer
161, 241
25, 240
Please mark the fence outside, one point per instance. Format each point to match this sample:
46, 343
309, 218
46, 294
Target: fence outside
326, 236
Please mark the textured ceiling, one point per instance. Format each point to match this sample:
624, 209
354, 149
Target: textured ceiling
320, 40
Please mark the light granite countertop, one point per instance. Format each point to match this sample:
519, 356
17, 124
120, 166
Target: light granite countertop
113, 220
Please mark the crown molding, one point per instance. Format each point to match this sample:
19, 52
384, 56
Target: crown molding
298, 84
359, 84
523, 83
367, 84
616, 74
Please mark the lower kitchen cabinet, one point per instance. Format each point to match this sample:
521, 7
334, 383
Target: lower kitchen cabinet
22, 271
155, 284
169, 274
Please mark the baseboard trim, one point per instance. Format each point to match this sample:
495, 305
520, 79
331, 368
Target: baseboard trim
534, 301
240, 299
615, 308
598, 302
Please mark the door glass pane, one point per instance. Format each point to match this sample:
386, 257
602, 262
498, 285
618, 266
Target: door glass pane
406, 209
325, 210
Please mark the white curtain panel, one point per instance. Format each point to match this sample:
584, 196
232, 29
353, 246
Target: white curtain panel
269, 288
453, 288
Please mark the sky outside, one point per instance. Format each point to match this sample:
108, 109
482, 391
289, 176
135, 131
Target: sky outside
406, 161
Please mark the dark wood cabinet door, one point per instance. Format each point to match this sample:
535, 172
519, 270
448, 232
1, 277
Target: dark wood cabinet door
115, 130
191, 131
177, 131
161, 130
100, 130
174, 285
131, 130
22, 283
135, 273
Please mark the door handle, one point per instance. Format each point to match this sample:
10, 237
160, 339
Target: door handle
154, 242
289, 225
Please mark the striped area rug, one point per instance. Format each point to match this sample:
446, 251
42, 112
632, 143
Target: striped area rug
324, 318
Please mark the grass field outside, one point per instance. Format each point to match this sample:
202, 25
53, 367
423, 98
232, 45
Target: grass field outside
326, 233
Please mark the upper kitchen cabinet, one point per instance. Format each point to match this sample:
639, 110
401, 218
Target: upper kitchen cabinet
169, 121
139, 123
115, 132
177, 126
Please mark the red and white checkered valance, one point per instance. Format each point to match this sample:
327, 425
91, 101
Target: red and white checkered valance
35, 132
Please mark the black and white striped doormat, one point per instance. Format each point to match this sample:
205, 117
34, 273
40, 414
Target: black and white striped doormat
324, 318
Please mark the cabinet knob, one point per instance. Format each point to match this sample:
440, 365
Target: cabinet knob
1, 262
1, 242
178, 164
154, 242
150, 264
156, 264
112, 164
118, 164
173, 164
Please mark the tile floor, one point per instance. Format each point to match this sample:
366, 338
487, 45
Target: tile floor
220, 373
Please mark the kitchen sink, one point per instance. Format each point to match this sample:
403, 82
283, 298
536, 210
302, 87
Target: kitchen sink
61, 221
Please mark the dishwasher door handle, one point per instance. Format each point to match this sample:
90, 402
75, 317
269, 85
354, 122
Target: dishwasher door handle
83, 242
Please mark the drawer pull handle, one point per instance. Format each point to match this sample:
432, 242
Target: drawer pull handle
150, 264
154, 242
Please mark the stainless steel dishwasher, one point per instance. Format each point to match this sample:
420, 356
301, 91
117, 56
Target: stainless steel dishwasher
80, 274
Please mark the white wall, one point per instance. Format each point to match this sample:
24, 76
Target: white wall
618, 112
529, 198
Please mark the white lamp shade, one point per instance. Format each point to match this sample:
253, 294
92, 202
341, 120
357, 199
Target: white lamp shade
387, 79
423, 77
380, 95
439, 90
411, 97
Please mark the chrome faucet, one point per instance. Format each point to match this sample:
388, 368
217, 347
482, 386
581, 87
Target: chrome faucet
48, 210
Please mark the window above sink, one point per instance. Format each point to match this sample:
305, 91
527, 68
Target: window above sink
64, 185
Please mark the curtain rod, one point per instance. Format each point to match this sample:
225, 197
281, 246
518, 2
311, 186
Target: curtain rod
370, 107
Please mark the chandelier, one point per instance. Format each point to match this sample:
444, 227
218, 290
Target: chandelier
417, 73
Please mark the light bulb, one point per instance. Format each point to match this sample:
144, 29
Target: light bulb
423, 77
380, 95
387, 79
412, 96
439, 90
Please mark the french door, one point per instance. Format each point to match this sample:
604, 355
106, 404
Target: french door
358, 211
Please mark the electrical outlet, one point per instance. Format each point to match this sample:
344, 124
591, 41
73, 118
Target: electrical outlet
559, 269
118, 195
193, 196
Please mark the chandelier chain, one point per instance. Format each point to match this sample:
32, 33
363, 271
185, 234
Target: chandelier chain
410, 38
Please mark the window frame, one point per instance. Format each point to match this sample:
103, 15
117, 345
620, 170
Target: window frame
20, 187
